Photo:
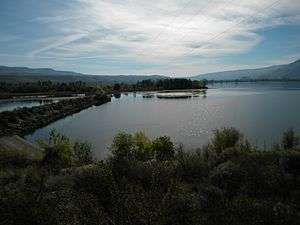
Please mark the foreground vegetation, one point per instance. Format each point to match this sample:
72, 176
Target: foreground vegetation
147, 181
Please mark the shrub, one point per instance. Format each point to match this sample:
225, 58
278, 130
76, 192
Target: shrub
293, 163
144, 182
60, 152
163, 148
122, 146
228, 176
180, 206
130, 147
264, 174
289, 139
143, 147
83, 153
225, 138
15, 158
96, 180
243, 210
192, 167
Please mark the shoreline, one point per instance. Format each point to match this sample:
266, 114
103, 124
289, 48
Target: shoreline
38, 95
25, 120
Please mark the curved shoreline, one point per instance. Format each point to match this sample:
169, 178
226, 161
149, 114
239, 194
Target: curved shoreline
25, 120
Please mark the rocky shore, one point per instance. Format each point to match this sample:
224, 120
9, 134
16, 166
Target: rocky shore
26, 120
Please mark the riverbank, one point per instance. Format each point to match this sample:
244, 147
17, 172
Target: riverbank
25, 120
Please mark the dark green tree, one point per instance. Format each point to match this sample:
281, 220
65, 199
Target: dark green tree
163, 148
225, 138
289, 139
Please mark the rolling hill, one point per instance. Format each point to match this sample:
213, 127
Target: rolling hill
24, 74
287, 71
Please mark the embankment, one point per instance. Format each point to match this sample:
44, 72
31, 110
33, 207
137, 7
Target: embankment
25, 120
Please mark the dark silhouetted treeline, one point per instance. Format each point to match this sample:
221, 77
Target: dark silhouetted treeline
46, 87
144, 182
9, 90
163, 84
170, 84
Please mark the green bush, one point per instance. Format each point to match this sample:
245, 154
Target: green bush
122, 147
192, 167
58, 152
61, 152
15, 158
225, 138
163, 148
143, 147
96, 180
289, 139
82, 154
150, 182
228, 177
182, 209
139, 147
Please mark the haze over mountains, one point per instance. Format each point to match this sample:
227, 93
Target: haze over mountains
24, 74
287, 71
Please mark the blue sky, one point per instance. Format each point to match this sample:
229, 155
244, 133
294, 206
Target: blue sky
170, 37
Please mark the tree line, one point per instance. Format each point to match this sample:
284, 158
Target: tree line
161, 84
49, 87
46, 86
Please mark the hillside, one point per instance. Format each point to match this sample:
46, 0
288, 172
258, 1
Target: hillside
288, 71
24, 74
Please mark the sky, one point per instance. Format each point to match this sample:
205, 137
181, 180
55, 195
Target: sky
167, 37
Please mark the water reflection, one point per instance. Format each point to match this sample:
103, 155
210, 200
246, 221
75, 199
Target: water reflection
117, 95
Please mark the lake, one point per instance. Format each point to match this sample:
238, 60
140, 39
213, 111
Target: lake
262, 111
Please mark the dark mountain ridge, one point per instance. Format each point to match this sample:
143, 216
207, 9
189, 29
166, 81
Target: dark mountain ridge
5, 70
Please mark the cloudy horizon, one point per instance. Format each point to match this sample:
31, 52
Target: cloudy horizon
174, 38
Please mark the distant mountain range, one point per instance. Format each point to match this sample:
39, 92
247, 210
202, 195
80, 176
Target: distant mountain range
287, 71
24, 74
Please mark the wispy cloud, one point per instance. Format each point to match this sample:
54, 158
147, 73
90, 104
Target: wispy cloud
162, 32
61, 41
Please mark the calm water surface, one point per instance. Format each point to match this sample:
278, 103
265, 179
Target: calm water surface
261, 111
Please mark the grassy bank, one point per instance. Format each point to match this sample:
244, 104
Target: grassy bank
147, 181
25, 120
